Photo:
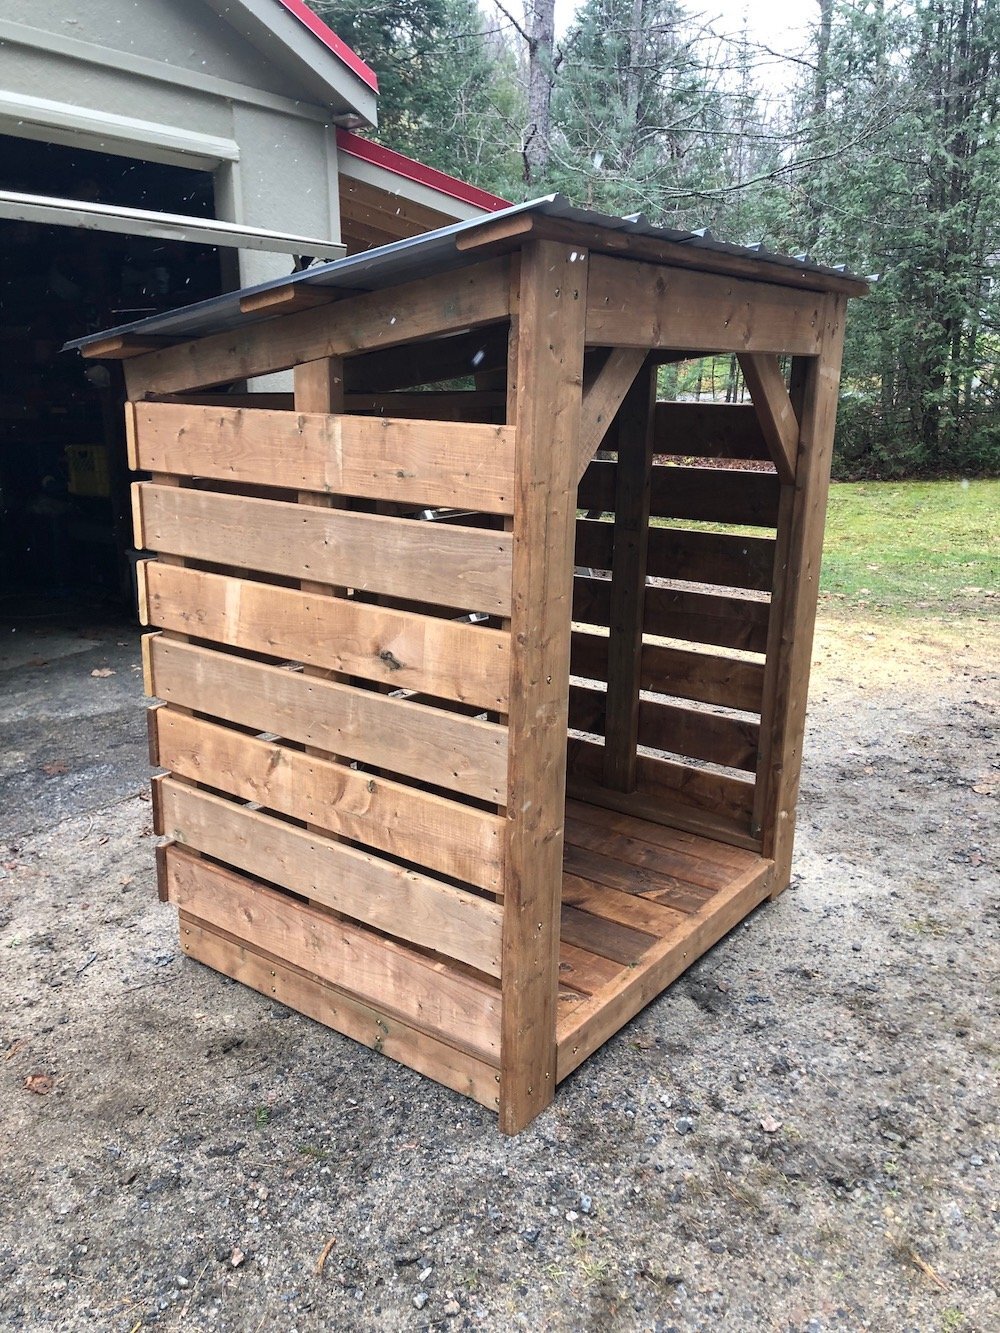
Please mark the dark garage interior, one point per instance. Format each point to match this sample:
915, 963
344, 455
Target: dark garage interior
64, 504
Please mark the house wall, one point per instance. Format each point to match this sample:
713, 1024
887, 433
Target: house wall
179, 66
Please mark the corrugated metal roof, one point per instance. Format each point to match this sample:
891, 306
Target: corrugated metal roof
433, 252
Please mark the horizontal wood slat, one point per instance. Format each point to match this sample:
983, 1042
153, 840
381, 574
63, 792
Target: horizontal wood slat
669, 781
459, 753
467, 568
462, 1009
710, 737
702, 677
371, 1026
728, 559
706, 494
671, 613
446, 303
403, 903
709, 430
467, 663
441, 463
416, 826
631, 304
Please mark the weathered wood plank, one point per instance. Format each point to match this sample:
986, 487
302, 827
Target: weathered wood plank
371, 1026
461, 754
467, 568
679, 867
404, 903
628, 909
628, 579
644, 305
711, 737
460, 1008
426, 308
682, 850
548, 371
774, 410
604, 937
416, 826
444, 463
707, 494
467, 663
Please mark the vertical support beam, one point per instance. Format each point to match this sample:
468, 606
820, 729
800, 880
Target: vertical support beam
798, 553
628, 578
549, 375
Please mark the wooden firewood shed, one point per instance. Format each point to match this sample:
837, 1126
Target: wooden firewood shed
451, 767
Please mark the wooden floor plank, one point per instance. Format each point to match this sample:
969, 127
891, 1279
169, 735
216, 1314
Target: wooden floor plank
583, 971
603, 869
660, 835
625, 908
606, 938
638, 852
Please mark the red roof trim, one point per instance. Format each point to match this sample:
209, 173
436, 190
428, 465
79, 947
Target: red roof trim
409, 169
333, 43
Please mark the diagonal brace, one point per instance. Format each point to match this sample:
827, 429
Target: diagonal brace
603, 397
775, 413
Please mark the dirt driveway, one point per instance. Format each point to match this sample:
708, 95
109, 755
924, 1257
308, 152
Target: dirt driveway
801, 1135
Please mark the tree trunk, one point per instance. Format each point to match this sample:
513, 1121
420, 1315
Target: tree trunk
540, 17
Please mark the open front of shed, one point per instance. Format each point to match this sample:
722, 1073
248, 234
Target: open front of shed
482, 713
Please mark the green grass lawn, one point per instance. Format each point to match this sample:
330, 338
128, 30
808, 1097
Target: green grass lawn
913, 548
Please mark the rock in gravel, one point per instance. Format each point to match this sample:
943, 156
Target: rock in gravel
685, 1125
586, 1203
421, 1299
452, 1309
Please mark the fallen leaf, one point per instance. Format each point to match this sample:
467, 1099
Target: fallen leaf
984, 789
237, 1257
54, 768
13, 1049
769, 1125
37, 662
103, 672
39, 1083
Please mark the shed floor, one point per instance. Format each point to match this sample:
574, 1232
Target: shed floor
640, 903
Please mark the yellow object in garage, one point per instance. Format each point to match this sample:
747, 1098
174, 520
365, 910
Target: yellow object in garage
87, 465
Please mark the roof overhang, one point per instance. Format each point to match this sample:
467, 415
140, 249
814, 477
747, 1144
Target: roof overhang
52, 211
361, 159
296, 40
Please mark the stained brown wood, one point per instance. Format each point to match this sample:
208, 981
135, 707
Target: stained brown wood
728, 559
468, 663
417, 462
774, 410
703, 677
602, 398
727, 799
707, 494
677, 613
414, 825
404, 903
606, 938
466, 568
797, 570
709, 430
454, 1005
428, 362
293, 296
647, 306
672, 842
125, 345
590, 1024
425, 308
634, 425
368, 1024
548, 375
712, 737
461, 754
674, 865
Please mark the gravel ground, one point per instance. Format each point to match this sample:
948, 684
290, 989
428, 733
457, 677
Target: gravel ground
800, 1135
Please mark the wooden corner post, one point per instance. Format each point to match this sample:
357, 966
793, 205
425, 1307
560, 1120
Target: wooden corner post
544, 406
798, 553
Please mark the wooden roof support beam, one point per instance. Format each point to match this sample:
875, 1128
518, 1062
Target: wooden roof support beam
125, 345
293, 296
426, 308
602, 398
775, 412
